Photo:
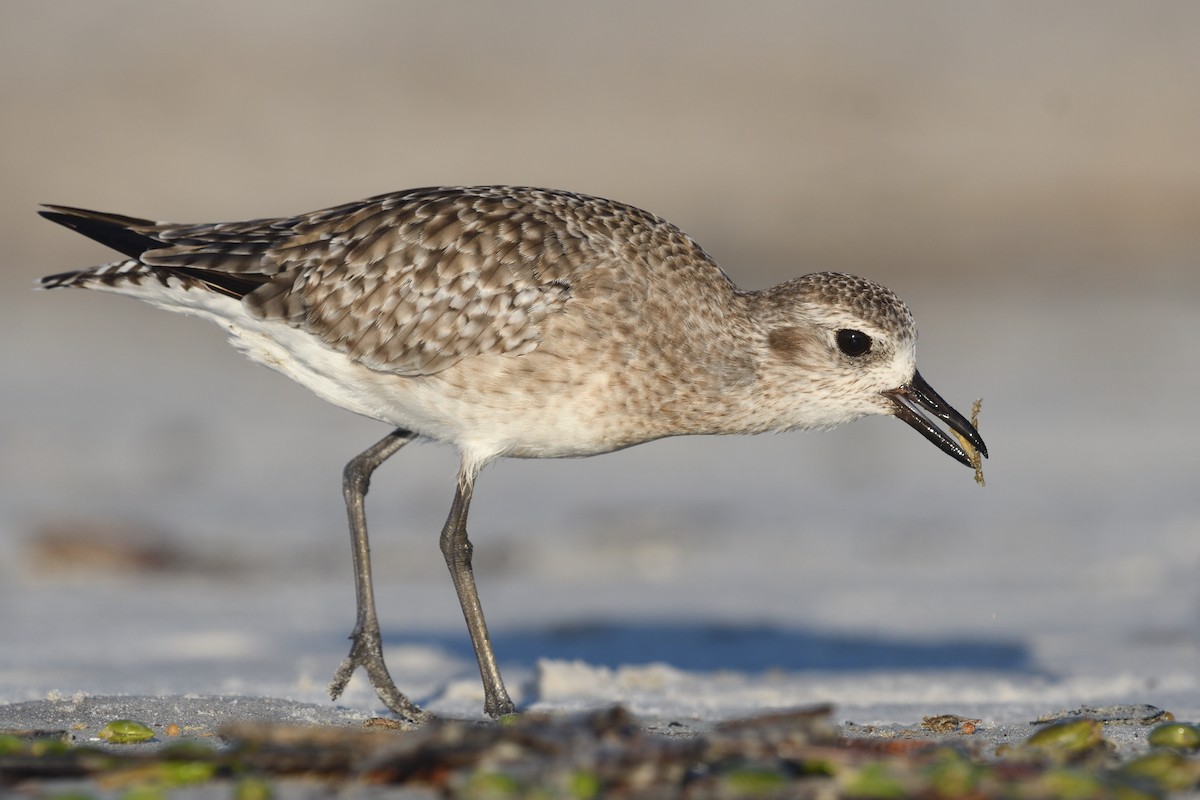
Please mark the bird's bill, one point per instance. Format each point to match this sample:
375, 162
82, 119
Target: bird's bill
916, 397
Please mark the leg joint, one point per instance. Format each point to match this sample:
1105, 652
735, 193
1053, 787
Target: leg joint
456, 547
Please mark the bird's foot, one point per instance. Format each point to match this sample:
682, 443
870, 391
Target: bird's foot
499, 709
367, 652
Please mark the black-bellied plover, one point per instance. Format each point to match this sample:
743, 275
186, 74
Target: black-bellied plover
519, 322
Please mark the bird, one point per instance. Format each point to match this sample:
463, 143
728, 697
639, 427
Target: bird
518, 322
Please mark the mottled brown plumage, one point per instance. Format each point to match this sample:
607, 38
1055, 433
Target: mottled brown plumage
519, 322
414, 282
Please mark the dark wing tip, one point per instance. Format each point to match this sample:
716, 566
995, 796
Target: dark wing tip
111, 230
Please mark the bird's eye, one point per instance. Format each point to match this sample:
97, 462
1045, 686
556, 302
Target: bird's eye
853, 343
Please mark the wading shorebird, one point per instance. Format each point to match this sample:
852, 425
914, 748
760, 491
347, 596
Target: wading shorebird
525, 323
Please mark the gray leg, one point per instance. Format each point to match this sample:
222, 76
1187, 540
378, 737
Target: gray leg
367, 648
457, 550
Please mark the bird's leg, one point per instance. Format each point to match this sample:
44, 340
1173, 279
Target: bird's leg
366, 650
457, 550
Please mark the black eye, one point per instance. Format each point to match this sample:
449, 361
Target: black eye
853, 343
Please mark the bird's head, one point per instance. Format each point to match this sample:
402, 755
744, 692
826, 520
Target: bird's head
839, 347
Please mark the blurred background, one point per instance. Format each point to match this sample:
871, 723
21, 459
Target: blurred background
1025, 175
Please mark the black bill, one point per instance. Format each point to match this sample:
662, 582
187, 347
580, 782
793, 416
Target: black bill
918, 396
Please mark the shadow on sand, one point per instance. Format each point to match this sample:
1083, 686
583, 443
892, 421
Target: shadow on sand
705, 647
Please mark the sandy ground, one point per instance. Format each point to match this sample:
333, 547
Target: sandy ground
170, 516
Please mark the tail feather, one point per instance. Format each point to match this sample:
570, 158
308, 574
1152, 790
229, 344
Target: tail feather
133, 237
127, 235
134, 273
107, 275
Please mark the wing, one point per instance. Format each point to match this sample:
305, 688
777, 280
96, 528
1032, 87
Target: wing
411, 282
414, 283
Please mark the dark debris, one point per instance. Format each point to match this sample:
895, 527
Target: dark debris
610, 753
